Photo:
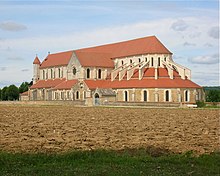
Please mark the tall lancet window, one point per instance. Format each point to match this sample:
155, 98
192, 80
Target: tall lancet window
88, 73
152, 61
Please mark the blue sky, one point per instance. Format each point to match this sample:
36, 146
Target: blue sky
189, 29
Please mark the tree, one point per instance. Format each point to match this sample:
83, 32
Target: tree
12, 92
213, 96
0, 94
23, 87
4, 94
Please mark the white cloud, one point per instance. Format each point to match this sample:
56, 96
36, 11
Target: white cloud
12, 26
25, 70
195, 34
3, 68
15, 58
189, 44
214, 32
209, 59
179, 25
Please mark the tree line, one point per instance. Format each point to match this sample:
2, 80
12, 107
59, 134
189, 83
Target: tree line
12, 92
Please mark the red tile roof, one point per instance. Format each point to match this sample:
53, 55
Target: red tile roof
57, 59
36, 60
68, 84
162, 72
24, 93
100, 56
93, 59
50, 83
149, 72
144, 83
176, 74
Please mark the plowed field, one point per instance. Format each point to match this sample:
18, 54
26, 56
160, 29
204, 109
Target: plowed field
62, 128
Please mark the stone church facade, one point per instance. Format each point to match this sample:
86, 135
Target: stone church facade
139, 70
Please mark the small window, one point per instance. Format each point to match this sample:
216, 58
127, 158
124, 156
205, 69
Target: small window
139, 60
51, 73
145, 95
158, 61
122, 62
59, 72
77, 95
146, 59
126, 95
186, 95
62, 95
152, 61
74, 71
99, 74
88, 73
167, 95
165, 59
43, 74
130, 61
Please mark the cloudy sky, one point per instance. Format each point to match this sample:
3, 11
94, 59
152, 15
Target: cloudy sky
189, 29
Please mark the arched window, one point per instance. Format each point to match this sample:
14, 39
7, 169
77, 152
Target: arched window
43, 74
139, 60
88, 73
126, 95
167, 95
145, 95
130, 61
74, 71
46, 72
99, 74
122, 62
152, 61
165, 59
77, 95
158, 61
59, 72
186, 95
146, 59
51, 73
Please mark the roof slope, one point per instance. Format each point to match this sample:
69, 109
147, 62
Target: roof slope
144, 83
57, 59
68, 84
36, 60
102, 55
50, 83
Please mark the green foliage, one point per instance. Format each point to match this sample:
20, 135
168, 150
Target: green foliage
100, 162
23, 87
12, 93
0, 94
4, 95
200, 104
213, 96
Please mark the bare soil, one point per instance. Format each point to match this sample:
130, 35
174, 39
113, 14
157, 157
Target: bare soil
34, 128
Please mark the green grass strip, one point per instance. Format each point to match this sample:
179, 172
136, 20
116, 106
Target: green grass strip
101, 162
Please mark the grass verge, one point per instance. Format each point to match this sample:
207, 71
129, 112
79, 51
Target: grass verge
101, 162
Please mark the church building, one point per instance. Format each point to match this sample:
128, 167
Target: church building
140, 71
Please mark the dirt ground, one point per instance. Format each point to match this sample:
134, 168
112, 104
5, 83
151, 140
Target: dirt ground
32, 128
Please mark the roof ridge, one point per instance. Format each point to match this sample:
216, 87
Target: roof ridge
125, 41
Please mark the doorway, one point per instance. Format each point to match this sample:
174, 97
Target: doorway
97, 100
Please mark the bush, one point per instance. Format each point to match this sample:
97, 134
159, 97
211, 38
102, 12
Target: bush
200, 104
213, 96
12, 93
